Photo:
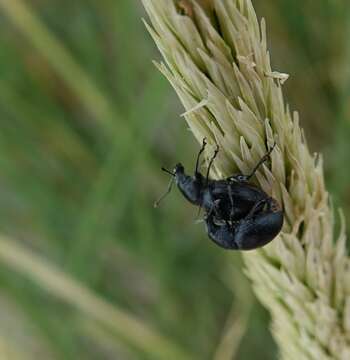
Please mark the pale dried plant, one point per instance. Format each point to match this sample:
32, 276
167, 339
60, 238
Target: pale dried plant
217, 60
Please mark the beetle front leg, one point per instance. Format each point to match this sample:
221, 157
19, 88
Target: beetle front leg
204, 144
210, 164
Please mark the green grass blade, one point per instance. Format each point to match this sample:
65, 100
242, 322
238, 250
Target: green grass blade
60, 285
63, 63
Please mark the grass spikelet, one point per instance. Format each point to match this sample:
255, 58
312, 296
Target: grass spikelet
216, 59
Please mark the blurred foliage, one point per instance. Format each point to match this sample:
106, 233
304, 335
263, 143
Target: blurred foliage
86, 123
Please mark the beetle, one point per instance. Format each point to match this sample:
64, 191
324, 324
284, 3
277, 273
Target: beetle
227, 202
259, 227
212, 195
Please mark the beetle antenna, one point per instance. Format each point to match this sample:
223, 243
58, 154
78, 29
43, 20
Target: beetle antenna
204, 143
211, 163
262, 160
168, 171
171, 182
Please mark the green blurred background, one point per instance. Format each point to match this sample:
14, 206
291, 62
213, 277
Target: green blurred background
88, 269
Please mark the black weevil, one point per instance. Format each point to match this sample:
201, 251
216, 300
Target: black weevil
259, 227
239, 215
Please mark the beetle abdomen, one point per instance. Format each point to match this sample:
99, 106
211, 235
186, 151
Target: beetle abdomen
258, 231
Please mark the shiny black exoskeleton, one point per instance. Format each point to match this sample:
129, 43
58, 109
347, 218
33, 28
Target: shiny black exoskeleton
255, 230
239, 215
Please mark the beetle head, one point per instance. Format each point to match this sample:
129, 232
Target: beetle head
179, 169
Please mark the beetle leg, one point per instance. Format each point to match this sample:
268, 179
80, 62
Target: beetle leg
232, 203
213, 209
272, 206
262, 160
211, 163
257, 208
204, 143
246, 178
